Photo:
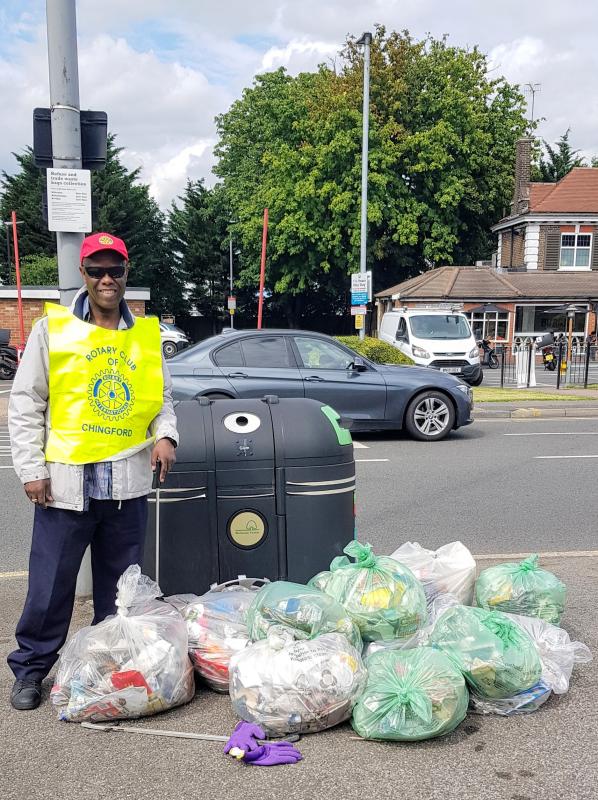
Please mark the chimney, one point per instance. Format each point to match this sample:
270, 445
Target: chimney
523, 163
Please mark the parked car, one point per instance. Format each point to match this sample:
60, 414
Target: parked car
173, 339
437, 338
295, 363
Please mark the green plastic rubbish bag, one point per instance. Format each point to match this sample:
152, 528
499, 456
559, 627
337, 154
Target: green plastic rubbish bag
410, 695
522, 588
305, 609
382, 596
496, 656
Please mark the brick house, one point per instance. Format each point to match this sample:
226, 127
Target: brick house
34, 297
551, 226
547, 256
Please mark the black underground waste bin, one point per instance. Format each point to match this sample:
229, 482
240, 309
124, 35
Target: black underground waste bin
260, 487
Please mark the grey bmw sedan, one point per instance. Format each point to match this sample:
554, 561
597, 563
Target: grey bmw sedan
293, 363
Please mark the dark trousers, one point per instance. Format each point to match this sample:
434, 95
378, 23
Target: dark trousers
60, 538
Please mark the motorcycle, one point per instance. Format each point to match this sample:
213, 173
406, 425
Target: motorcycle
490, 358
9, 360
549, 358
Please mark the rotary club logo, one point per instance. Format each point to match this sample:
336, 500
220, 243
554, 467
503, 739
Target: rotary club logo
110, 395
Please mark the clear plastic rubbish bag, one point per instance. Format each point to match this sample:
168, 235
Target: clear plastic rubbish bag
382, 596
217, 629
496, 656
449, 570
557, 652
288, 685
300, 608
132, 664
523, 703
522, 588
410, 695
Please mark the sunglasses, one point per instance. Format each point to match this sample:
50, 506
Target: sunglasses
112, 272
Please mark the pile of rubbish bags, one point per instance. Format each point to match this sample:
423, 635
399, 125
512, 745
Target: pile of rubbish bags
392, 643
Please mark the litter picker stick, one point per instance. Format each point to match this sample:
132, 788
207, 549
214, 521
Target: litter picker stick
157, 543
204, 737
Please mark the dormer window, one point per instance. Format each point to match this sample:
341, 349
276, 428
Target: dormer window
575, 250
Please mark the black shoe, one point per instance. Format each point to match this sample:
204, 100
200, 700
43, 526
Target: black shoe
26, 695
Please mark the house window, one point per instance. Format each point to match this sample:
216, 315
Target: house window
492, 325
537, 320
575, 250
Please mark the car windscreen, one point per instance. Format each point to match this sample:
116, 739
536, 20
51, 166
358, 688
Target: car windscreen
439, 326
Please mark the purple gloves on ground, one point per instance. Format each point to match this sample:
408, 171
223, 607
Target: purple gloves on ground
244, 738
272, 754
243, 744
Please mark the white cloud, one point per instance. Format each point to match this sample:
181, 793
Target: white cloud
162, 70
298, 55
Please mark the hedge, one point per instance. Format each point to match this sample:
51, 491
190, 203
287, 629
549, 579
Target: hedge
375, 350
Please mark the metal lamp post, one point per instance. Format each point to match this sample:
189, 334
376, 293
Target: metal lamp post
366, 41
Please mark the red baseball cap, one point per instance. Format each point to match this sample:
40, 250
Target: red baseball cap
102, 241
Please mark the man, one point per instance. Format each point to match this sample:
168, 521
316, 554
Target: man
90, 416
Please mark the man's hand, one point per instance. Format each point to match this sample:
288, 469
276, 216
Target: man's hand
164, 453
39, 492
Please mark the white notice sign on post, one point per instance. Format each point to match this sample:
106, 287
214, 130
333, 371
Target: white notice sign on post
69, 200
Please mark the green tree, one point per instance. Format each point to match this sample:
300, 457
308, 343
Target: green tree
442, 147
555, 162
39, 270
23, 192
198, 238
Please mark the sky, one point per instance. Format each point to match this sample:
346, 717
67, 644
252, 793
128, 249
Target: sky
163, 70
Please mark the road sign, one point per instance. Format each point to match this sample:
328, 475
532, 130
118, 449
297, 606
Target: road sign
232, 303
69, 200
359, 321
358, 310
361, 288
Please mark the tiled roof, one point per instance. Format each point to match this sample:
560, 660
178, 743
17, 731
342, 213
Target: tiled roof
469, 284
576, 192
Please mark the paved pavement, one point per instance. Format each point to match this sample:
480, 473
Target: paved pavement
551, 753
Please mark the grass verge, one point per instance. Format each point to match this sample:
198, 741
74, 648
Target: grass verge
488, 394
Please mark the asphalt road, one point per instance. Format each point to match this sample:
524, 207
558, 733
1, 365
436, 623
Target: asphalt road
486, 485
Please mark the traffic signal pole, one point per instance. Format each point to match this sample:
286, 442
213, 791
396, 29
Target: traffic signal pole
66, 128
63, 69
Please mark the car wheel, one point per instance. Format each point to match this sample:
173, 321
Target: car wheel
477, 381
430, 417
169, 349
217, 396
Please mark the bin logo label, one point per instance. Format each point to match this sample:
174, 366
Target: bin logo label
247, 529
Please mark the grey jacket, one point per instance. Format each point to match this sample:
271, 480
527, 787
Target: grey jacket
29, 423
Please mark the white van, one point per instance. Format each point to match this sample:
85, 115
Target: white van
435, 337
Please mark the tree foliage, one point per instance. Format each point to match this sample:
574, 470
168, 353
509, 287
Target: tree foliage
199, 243
39, 270
442, 148
555, 162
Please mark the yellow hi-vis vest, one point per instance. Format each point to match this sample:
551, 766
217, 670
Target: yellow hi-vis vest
105, 387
